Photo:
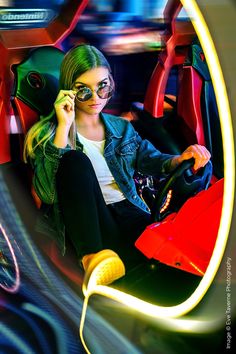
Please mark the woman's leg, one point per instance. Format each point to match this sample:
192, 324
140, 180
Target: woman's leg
88, 222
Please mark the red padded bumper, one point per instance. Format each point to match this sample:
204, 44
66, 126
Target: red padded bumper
186, 239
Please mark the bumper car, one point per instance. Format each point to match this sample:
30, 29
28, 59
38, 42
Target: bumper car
186, 242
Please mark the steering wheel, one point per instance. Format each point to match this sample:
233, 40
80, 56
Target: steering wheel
180, 185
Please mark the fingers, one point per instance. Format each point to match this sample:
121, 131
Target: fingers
65, 103
65, 100
63, 93
201, 156
199, 153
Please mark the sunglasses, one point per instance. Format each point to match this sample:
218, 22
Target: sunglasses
85, 93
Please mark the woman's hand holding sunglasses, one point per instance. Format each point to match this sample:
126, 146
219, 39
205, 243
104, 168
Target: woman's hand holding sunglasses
65, 111
65, 108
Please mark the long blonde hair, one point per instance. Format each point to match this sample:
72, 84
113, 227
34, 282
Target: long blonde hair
77, 61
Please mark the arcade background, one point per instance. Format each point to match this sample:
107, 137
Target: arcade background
43, 315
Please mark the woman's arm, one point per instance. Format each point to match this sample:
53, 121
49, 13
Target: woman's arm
151, 161
47, 156
45, 167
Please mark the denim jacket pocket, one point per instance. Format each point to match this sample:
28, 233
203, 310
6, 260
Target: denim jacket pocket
127, 148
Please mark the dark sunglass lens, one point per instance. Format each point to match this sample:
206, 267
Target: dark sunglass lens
84, 95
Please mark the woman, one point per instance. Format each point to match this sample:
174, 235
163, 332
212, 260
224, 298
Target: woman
84, 161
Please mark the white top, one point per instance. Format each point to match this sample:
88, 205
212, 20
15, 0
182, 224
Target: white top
94, 150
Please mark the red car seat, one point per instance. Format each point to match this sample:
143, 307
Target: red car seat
18, 38
194, 118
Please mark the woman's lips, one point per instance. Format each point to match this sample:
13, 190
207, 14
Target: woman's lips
96, 105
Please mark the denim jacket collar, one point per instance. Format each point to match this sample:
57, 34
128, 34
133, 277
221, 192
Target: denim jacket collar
110, 126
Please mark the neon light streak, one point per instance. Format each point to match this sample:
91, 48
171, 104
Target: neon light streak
16, 284
18, 343
58, 330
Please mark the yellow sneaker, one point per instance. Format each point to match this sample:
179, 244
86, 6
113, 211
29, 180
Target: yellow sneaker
104, 268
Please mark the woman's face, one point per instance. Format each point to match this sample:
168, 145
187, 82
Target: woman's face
89, 86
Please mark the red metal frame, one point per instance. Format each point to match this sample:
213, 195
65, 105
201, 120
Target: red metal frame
179, 37
27, 116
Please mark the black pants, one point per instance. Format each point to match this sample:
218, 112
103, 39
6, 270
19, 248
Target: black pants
90, 224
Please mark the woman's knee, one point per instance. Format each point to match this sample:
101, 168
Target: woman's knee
75, 159
75, 166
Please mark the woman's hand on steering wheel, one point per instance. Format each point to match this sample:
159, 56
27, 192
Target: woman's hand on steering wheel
182, 182
200, 154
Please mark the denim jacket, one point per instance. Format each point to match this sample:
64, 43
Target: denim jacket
125, 153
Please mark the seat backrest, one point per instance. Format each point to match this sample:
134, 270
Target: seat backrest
35, 90
197, 108
36, 85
